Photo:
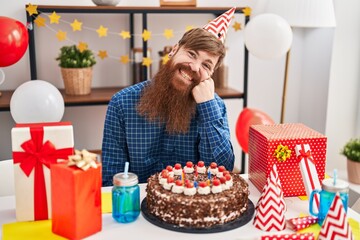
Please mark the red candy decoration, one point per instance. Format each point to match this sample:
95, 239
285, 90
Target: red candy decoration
189, 164
228, 177
216, 182
189, 184
213, 165
223, 180
164, 173
177, 166
169, 168
221, 169
178, 182
201, 164
170, 179
202, 184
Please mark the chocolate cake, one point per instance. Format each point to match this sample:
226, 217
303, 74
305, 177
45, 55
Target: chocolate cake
197, 198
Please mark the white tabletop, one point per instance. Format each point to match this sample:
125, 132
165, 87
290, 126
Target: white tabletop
142, 229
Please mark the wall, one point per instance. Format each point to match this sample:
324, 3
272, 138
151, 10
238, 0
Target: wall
316, 57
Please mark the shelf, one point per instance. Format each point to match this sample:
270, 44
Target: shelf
102, 96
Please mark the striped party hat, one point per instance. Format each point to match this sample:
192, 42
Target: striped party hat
220, 25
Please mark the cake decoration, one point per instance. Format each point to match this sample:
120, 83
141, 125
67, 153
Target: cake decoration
169, 183
190, 189
213, 168
177, 169
201, 167
189, 167
221, 171
216, 188
178, 187
163, 177
204, 188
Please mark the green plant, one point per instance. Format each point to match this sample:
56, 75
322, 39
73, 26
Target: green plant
351, 150
72, 57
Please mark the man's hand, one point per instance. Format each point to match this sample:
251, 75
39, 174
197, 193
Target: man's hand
204, 91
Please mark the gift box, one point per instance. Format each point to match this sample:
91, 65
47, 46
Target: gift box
275, 144
76, 201
35, 147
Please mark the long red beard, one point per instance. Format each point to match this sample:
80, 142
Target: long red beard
163, 102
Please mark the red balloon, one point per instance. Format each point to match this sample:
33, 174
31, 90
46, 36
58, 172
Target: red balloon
13, 41
248, 117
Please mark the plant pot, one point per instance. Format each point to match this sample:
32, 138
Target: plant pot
77, 81
353, 170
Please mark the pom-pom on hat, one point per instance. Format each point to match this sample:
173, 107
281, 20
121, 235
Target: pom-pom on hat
220, 25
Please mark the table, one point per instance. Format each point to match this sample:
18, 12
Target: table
142, 229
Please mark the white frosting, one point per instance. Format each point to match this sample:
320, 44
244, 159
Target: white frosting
201, 169
190, 191
177, 189
220, 174
171, 174
204, 190
229, 183
162, 181
168, 186
216, 189
188, 169
177, 171
225, 186
213, 171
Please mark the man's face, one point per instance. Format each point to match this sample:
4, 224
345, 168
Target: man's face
193, 67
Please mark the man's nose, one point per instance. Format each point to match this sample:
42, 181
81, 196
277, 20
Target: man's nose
194, 66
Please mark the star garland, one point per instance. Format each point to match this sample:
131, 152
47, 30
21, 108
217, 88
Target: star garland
102, 32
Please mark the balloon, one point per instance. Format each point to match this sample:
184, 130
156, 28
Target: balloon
36, 101
268, 36
13, 41
248, 117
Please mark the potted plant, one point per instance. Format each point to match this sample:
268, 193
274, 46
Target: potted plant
76, 69
351, 151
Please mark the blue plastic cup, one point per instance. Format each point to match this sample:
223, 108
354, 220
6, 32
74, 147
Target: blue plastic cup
125, 197
327, 194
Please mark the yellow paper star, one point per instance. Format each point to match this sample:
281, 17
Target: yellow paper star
125, 34
102, 31
146, 35
124, 59
40, 21
188, 28
168, 33
247, 11
165, 59
31, 9
82, 46
54, 18
146, 61
102, 54
61, 35
76, 25
237, 26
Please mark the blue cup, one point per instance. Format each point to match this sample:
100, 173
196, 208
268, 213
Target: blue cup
327, 194
125, 198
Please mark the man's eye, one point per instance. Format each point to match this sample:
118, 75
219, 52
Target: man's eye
192, 54
206, 66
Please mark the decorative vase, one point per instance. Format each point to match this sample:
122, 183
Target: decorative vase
77, 81
353, 170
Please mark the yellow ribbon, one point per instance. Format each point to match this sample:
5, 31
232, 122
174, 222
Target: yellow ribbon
83, 159
282, 153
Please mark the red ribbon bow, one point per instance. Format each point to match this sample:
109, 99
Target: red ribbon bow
35, 155
305, 155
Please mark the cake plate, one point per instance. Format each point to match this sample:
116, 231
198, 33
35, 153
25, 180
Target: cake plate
240, 221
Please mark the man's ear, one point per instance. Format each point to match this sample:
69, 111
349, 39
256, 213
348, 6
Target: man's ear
174, 50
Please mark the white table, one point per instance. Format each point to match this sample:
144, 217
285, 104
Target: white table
142, 229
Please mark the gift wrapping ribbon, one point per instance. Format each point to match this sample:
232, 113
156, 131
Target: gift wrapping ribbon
35, 155
307, 157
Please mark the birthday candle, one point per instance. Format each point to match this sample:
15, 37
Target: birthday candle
183, 176
209, 173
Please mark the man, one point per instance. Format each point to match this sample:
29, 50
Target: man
175, 117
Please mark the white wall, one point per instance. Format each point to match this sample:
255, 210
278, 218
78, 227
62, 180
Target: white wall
316, 57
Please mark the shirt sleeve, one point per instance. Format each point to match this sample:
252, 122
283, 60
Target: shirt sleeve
215, 144
114, 150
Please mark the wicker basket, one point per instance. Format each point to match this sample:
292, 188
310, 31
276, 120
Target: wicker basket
77, 81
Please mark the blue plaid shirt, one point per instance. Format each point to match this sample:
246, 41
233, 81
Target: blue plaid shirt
149, 148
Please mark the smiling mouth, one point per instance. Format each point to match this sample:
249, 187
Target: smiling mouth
185, 75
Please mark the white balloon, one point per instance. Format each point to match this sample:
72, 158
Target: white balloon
37, 101
268, 36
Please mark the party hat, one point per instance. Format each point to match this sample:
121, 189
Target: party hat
336, 225
270, 209
220, 25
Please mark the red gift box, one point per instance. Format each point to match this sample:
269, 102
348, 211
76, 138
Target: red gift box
275, 144
76, 201
35, 147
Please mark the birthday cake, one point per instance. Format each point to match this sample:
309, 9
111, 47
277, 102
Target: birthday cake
196, 196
